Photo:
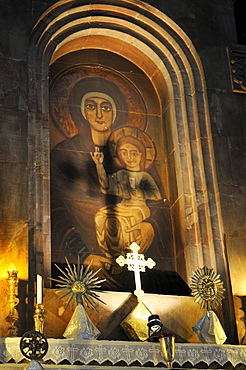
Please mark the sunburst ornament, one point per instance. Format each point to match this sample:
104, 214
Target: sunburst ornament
78, 285
207, 288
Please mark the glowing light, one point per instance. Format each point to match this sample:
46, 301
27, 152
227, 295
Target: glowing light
12, 267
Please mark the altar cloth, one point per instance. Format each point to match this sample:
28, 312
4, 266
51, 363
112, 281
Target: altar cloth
100, 351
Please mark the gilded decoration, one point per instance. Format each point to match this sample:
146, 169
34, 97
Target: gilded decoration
207, 288
79, 285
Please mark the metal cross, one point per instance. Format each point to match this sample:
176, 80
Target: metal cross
136, 262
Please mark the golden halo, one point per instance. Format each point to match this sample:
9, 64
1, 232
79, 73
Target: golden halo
129, 132
207, 288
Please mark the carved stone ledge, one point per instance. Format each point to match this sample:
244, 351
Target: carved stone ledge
237, 59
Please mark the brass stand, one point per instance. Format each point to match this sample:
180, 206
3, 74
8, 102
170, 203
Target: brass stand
12, 301
39, 317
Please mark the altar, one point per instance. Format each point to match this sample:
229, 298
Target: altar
78, 354
177, 316
177, 313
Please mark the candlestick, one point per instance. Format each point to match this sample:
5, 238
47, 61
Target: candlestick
39, 318
39, 290
13, 300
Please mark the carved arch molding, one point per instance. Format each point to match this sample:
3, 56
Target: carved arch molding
161, 59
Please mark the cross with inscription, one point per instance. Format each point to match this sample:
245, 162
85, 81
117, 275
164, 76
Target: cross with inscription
136, 262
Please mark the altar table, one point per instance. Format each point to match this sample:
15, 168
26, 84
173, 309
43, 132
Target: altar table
65, 352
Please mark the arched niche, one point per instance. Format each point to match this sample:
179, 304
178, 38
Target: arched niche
150, 41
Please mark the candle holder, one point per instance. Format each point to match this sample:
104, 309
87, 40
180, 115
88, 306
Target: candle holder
13, 301
39, 317
167, 342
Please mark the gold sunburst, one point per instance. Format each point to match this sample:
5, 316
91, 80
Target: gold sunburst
207, 288
78, 285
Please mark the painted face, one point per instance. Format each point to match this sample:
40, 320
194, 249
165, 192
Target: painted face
130, 156
99, 113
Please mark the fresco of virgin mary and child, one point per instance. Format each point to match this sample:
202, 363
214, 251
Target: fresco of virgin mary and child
78, 203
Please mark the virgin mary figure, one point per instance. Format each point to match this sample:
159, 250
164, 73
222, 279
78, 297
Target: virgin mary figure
97, 106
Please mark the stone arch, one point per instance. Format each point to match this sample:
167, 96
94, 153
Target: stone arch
154, 43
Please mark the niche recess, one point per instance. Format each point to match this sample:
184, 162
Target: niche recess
152, 52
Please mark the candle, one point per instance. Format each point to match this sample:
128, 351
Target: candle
39, 289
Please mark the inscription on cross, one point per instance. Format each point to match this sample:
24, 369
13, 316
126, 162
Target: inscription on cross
136, 262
